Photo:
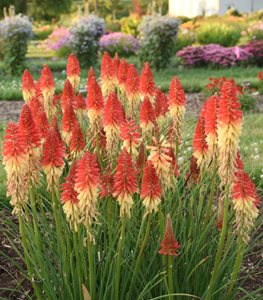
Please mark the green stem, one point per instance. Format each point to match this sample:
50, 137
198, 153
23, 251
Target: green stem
220, 247
170, 276
237, 265
91, 271
119, 256
140, 256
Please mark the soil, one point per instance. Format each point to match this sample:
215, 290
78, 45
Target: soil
12, 278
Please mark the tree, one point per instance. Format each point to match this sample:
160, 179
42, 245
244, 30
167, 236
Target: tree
20, 6
49, 9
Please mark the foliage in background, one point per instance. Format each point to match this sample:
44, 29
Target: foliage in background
184, 38
15, 32
214, 55
20, 6
124, 44
256, 50
85, 35
254, 32
130, 25
218, 33
158, 34
42, 31
48, 9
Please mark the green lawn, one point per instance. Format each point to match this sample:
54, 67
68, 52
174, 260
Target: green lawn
193, 80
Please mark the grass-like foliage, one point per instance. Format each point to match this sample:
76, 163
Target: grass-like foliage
113, 203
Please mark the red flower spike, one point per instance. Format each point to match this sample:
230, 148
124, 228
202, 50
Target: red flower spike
73, 68
142, 157
160, 104
77, 142
28, 128
86, 184
130, 135
150, 189
15, 162
107, 75
122, 74
112, 120
176, 103
35, 106
210, 116
67, 96
245, 200
80, 102
69, 198
46, 80
28, 86
91, 74
194, 170
94, 103
169, 244
52, 161
68, 120
116, 63
132, 89
229, 122
147, 86
56, 128
147, 115
43, 125
14, 146
106, 185
200, 146
125, 184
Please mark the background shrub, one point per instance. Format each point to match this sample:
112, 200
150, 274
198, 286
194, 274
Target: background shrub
218, 33
123, 44
130, 25
158, 35
84, 41
256, 50
15, 33
254, 32
42, 32
184, 38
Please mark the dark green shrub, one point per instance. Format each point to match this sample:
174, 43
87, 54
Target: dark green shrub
15, 32
158, 34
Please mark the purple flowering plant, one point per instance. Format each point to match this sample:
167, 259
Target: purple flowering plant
123, 44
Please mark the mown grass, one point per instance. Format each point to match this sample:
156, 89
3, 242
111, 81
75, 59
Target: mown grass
193, 80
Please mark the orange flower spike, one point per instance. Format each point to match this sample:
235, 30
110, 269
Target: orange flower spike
73, 71
122, 75
130, 135
52, 161
107, 76
112, 121
150, 189
174, 166
142, 157
94, 104
132, 90
67, 96
47, 87
147, 116
43, 125
68, 120
28, 86
194, 170
169, 244
54, 124
125, 184
116, 64
200, 146
210, 116
87, 184
91, 74
245, 201
69, 198
176, 104
229, 120
35, 106
80, 102
77, 142
147, 86
15, 162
